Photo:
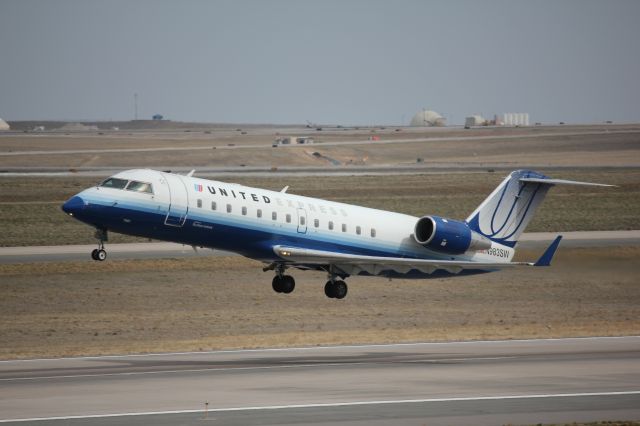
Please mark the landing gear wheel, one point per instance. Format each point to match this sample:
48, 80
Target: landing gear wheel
340, 289
94, 254
335, 289
288, 284
277, 284
329, 290
283, 284
101, 255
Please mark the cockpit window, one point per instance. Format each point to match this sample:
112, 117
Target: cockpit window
114, 183
140, 187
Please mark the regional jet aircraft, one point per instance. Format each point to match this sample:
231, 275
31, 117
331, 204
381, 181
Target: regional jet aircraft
290, 231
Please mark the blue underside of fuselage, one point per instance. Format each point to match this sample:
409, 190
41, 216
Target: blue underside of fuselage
253, 243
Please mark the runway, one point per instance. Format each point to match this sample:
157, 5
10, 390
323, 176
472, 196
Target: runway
499, 382
158, 250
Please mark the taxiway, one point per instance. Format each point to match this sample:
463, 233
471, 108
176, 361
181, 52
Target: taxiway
484, 382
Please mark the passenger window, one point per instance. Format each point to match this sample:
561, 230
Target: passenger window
344, 227
114, 183
358, 230
331, 225
139, 187
228, 208
259, 212
373, 233
213, 205
316, 223
274, 215
244, 211
288, 218
199, 203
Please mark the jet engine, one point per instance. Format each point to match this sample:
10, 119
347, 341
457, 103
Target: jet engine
448, 236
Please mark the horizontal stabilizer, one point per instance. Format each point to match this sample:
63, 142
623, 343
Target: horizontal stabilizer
560, 182
545, 259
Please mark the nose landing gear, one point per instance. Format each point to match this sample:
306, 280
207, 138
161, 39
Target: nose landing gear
100, 253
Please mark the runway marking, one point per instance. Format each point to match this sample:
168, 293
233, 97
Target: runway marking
266, 367
335, 404
312, 348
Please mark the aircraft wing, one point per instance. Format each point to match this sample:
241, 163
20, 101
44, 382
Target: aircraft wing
353, 263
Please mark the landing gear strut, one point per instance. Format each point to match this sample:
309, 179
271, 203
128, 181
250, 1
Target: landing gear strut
283, 283
100, 253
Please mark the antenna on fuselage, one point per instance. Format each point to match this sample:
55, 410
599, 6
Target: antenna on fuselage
191, 173
284, 189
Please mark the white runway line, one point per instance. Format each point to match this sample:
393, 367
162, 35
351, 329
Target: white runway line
337, 404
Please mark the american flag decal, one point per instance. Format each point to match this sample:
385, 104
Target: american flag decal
197, 187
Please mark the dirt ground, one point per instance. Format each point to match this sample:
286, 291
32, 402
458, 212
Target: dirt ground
81, 308
610, 145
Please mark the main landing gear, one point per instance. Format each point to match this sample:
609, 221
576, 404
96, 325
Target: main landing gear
335, 289
100, 253
283, 283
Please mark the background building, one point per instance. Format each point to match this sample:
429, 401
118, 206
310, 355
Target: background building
426, 118
515, 119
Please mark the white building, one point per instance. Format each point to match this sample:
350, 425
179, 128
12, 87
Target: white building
515, 119
426, 118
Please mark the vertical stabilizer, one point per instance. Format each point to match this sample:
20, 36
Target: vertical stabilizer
505, 214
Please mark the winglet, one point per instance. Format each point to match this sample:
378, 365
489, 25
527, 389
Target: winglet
545, 259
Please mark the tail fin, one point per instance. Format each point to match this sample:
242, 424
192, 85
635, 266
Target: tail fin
505, 214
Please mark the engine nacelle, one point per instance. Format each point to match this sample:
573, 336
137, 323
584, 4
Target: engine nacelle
448, 236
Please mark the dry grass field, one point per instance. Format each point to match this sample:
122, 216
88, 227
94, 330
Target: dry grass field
577, 146
73, 308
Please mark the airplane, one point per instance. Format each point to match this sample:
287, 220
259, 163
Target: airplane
286, 231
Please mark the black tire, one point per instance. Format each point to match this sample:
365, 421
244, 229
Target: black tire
277, 284
94, 254
101, 255
340, 290
329, 290
288, 284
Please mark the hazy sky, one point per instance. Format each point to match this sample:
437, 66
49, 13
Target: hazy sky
342, 61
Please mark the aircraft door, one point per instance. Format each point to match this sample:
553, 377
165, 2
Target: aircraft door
302, 221
178, 200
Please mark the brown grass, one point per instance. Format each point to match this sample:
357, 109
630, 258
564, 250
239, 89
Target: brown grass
73, 308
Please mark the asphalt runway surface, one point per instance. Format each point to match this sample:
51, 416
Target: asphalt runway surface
457, 383
160, 250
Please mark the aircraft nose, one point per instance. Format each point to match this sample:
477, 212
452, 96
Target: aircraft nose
73, 205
